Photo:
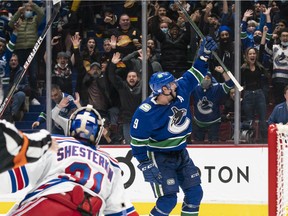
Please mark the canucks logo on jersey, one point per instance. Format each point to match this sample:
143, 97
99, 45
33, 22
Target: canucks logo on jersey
205, 106
174, 125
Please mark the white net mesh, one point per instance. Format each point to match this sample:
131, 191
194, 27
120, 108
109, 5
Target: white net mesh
282, 170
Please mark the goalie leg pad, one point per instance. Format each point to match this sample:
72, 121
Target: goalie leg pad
164, 205
78, 200
192, 199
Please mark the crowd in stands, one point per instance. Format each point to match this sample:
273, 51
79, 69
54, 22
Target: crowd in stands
97, 52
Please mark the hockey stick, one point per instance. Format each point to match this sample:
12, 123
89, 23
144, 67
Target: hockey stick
198, 31
6, 101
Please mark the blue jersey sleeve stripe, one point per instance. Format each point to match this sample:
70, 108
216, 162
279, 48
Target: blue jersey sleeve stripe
130, 210
25, 176
13, 180
115, 214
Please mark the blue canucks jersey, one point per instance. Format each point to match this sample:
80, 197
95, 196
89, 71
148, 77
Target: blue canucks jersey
207, 102
156, 127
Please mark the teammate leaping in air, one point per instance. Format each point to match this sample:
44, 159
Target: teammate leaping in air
159, 129
77, 180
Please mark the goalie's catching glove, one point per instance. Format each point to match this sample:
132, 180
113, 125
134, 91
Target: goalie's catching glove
207, 46
151, 172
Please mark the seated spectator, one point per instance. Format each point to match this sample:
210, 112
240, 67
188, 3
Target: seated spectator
228, 109
57, 95
279, 114
23, 89
207, 97
6, 51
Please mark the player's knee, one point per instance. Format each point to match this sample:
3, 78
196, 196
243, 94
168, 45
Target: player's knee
193, 195
164, 205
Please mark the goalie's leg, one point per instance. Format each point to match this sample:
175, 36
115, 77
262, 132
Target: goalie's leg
44, 207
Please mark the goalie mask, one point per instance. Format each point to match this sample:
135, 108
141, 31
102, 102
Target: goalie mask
159, 80
86, 125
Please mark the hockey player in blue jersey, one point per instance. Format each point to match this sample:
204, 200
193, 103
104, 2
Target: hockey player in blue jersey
207, 98
159, 129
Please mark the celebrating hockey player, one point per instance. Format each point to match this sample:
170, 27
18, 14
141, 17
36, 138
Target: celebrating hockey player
159, 130
77, 180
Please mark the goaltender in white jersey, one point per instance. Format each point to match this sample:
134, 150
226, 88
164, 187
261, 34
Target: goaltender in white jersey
77, 180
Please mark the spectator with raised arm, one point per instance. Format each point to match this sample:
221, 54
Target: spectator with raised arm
173, 45
134, 62
56, 96
279, 54
128, 37
130, 93
207, 98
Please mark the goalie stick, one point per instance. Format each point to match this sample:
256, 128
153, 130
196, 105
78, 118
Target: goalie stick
198, 31
6, 101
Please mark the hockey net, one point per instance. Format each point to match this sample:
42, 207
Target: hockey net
278, 170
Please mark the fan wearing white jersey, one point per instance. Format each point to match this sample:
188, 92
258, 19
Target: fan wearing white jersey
77, 180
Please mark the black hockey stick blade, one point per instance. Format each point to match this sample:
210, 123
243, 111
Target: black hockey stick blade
6, 101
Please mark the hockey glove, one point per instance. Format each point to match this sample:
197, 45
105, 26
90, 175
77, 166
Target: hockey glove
207, 46
150, 172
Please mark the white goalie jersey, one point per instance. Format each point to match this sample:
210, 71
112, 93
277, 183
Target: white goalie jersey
73, 164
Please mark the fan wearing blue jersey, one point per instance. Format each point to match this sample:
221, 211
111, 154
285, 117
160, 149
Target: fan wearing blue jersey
159, 129
207, 98
77, 179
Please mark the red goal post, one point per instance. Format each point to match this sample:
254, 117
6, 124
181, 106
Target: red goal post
278, 170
